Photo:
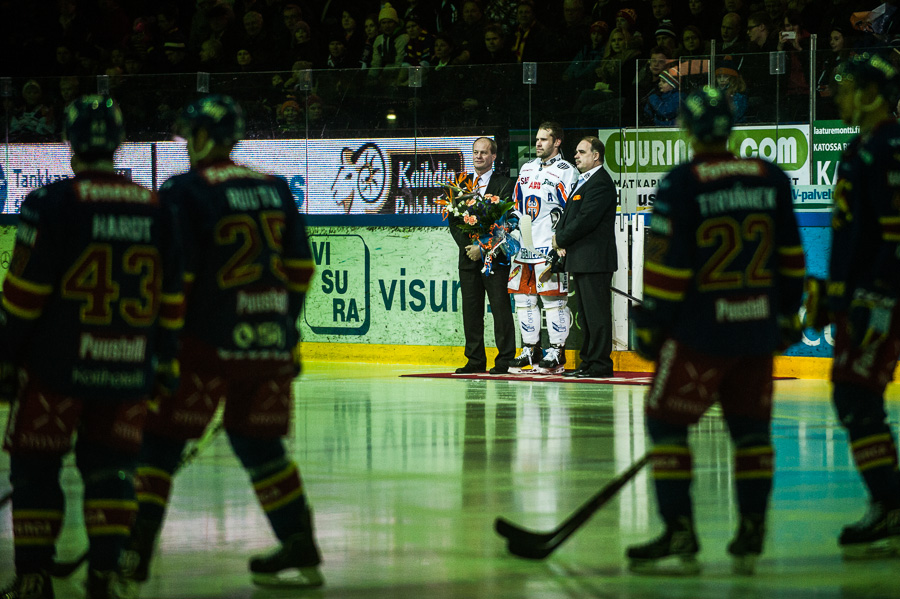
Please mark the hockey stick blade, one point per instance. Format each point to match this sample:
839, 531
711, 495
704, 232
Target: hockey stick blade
538, 545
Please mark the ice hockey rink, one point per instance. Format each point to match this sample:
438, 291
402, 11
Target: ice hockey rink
408, 474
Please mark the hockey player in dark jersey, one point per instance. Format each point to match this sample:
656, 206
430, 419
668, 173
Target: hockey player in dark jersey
860, 296
92, 305
247, 267
723, 281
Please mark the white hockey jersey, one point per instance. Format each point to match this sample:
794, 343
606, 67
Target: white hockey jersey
541, 192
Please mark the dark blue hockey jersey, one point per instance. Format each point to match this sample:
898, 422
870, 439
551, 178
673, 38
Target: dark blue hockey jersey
93, 297
247, 265
865, 252
723, 259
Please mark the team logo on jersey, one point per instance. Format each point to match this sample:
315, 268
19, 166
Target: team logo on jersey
532, 206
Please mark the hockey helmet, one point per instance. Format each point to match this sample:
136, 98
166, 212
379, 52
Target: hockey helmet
220, 116
870, 69
706, 113
93, 126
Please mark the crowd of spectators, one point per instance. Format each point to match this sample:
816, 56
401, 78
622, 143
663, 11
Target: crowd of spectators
311, 67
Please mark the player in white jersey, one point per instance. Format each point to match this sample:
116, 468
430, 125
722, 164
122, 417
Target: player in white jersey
541, 192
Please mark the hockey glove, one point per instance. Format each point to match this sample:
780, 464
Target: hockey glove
870, 317
790, 331
9, 382
168, 377
648, 334
816, 304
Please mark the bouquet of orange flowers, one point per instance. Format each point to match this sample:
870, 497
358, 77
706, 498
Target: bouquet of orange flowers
487, 219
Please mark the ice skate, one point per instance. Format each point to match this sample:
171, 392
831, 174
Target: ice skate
35, 585
526, 361
876, 536
107, 585
294, 564
678, 540
747, 545
135, 560
554, 361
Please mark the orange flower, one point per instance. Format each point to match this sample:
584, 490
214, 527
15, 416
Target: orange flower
470, 202
492, 198
470, 219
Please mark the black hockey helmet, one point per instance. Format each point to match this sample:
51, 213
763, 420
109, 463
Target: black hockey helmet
706, 113
219, 115
870, 69
93, 126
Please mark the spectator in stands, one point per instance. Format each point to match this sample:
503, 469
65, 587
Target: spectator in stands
662, 14
140, 41
289, 120
662, 106
167, 20
626, 20
494, 49
292, 17
761, 36
693, 43
588, 58
795, 41
256, 40
532, 41
354, 38
32, 118
729, 81
420, 47
504, 13
736, 6
212, 57
603, 96
64, 61
617, 64
841, 49
370, 29
701, 16
646, 82
605, 10
468, 32
176, 58
667, 37
244, 62
304, 48
732, 40
575, 32
69, 90
389, 50
775, 9
110, 25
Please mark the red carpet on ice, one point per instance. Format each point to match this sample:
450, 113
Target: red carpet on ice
620, 378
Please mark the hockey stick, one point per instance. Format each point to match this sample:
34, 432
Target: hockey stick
538, 545
65, 569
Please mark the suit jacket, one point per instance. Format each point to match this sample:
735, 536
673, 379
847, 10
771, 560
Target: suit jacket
586, 229
498, 185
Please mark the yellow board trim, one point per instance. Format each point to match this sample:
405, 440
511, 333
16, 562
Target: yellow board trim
800, 367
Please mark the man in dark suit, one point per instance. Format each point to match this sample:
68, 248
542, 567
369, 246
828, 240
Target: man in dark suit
473, 284
585, 236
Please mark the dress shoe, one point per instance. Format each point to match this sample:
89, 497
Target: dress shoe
593, 374
576, 372
499, 370
469, 369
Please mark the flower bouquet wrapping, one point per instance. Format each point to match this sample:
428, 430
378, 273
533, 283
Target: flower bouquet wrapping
487, 220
